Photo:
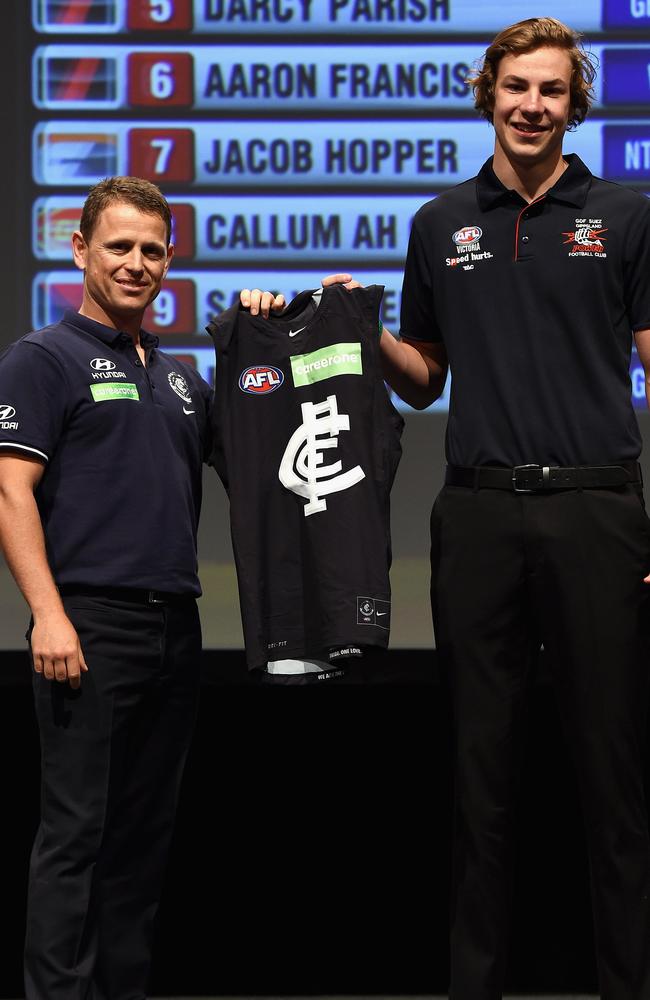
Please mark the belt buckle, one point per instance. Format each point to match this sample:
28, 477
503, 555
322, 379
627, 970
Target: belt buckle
544, 469
153, 598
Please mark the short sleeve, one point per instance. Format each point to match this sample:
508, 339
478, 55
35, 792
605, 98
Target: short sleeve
32, 400
417, 318
637, 271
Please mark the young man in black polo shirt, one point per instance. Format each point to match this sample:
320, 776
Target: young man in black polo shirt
530, 281
100, 491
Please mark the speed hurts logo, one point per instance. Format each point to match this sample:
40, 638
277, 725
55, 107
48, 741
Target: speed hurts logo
587, 239
260, 379
467, 241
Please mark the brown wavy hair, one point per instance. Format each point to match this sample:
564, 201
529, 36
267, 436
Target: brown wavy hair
526, 36
144, 195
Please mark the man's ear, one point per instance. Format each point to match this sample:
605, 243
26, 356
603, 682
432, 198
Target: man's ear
79, 250
170, 256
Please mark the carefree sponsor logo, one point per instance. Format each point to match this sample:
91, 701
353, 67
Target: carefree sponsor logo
337, 359
119, 390
260, 379
6, 413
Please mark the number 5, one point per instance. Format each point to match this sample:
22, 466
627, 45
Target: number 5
161, 10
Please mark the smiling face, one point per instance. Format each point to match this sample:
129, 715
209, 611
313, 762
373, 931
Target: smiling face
532, 104
124, 260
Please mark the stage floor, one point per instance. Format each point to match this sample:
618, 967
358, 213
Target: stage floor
509, 996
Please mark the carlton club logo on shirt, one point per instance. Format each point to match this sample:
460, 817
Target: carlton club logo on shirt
105, 369
7, 412
587, 239
371, 611
468, 248
259, 380
302, 468
180, 386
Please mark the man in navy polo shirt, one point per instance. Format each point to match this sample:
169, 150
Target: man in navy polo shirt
100, 492
531, 281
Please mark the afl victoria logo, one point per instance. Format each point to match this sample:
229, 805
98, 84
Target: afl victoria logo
466, 236
6, 411
102, 365
260, 379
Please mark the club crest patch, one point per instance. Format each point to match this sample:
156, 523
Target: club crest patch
587, 239
180, 386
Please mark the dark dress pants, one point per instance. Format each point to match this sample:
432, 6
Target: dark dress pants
564, 569
112, 754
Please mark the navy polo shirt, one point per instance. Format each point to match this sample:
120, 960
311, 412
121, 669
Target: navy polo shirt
123, 445
535, 304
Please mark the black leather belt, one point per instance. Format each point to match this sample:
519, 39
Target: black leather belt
539, 478
129, 594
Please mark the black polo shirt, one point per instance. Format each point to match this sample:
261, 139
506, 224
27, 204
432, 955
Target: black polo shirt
124, 445
536, 304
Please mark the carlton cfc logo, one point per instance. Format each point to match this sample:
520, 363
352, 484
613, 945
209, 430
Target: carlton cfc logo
260, 379
467, 235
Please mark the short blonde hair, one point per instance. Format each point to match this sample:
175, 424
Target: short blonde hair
526, 36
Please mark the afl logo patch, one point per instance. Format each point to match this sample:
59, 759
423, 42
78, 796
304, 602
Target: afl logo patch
466, 236
260, 379
102, 365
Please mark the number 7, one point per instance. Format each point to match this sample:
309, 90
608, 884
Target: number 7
165, 148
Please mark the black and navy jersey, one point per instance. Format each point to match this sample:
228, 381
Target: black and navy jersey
123, 447
307, 443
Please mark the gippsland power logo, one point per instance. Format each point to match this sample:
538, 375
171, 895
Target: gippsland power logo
587, 239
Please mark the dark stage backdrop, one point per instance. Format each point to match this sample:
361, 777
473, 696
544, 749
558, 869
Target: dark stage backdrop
312, 847
293, 138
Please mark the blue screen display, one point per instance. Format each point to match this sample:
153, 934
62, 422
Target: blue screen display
294, 138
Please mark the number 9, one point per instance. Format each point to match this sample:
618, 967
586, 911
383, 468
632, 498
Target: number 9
164, 308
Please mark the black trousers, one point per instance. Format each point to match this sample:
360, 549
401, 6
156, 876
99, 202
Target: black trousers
112, 754
564, 569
